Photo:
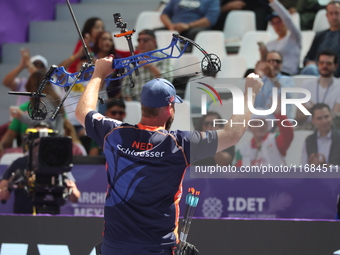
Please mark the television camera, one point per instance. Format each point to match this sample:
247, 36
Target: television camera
49, 162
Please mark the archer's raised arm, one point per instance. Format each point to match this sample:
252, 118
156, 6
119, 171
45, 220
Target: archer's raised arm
89, 98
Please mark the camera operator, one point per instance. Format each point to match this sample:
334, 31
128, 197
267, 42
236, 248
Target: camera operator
19, 178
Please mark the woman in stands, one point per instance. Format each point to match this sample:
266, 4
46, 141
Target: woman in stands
92, 27
288, 42
103, 47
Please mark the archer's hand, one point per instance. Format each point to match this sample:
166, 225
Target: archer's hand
255, 82
103, 67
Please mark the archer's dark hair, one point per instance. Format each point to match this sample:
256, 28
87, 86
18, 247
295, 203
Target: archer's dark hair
319, 106
117, 102
150, 112
328, 53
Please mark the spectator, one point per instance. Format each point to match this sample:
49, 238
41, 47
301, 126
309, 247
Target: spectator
146, 42
115, 109
92, 27
327, 39
103, 47
323, 89
288, 42
265, 147
222, 158
190, 17
32, 64
322, 147
270, 72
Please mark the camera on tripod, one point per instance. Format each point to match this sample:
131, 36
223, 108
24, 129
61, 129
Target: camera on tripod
50, 157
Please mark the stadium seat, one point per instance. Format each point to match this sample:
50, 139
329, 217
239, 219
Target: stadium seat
232, 66
320, 21
8, 158
183, 120
187, 64
147, 20
53, 31
306, 42
211, 42
237, 23
249, 48
14, 248
133, 112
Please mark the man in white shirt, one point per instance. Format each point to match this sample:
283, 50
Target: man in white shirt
323, 89
321, 147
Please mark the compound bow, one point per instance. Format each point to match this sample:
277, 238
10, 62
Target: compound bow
58, 76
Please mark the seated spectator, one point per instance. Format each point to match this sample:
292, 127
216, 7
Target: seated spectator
103, 47
222, 158
265, 147
322, 147
92, 27
115, 109
270, 72
327, 39
325, 88
160, 69
32, 64
288, 42
190, 17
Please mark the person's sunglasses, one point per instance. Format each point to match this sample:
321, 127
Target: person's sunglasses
38, 64
208, 123
117, 112
144, 40
277, 61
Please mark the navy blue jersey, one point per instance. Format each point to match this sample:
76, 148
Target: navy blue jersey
145, 169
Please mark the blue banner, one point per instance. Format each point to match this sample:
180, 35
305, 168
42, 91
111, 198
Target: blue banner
220, 198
